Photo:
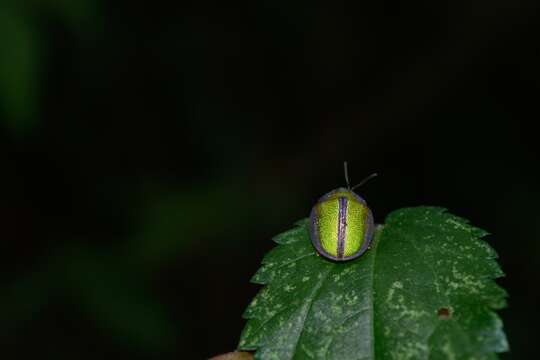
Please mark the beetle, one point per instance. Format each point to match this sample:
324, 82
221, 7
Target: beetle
341, 224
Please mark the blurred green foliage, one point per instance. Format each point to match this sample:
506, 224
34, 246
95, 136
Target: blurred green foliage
110, 287
19, 67
25, 53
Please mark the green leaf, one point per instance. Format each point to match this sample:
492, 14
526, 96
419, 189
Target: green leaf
424, 290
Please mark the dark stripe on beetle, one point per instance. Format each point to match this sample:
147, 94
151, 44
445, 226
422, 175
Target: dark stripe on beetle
342, 225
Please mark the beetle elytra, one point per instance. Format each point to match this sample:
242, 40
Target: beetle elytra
341, 224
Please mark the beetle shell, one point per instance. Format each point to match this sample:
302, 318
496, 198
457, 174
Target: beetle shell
341, 225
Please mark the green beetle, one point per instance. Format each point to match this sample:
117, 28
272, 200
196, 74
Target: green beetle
341, 224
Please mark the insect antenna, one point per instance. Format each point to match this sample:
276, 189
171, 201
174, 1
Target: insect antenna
346, 173
364, 181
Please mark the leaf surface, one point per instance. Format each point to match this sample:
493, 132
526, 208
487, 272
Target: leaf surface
424, 290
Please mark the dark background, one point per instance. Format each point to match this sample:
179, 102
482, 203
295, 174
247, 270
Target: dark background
149, 152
